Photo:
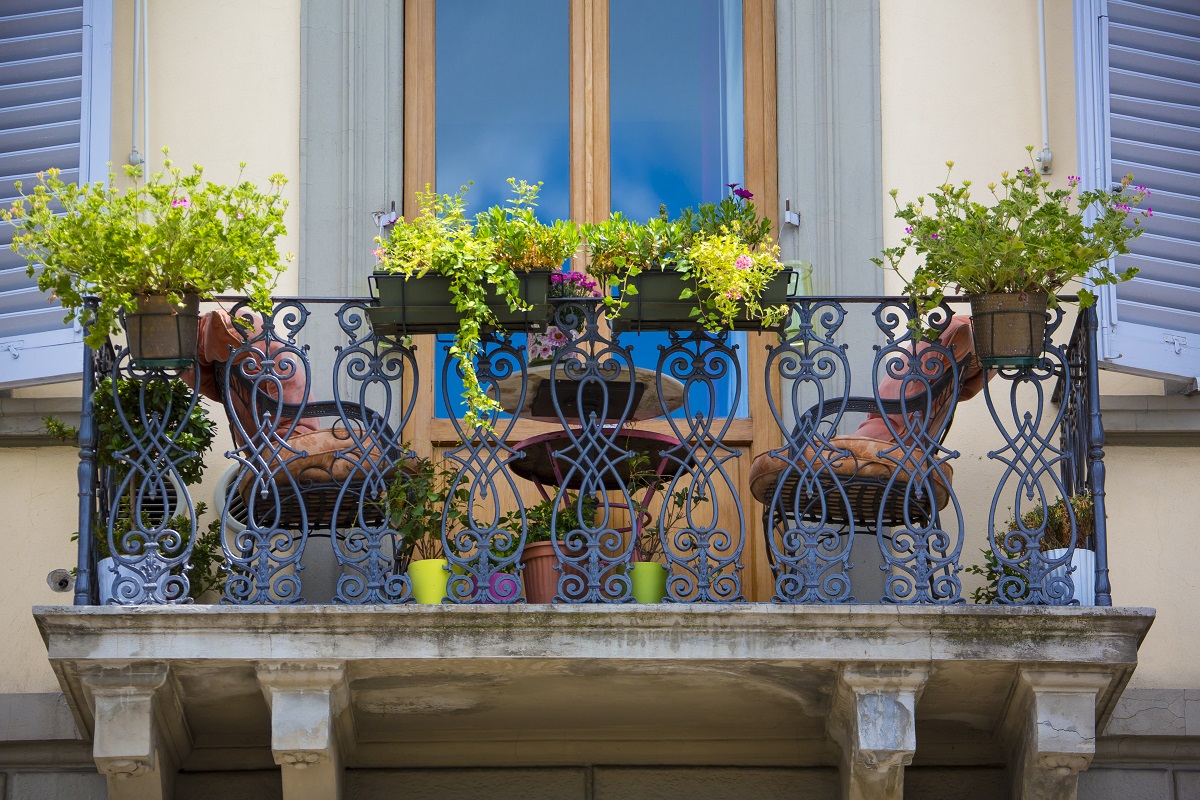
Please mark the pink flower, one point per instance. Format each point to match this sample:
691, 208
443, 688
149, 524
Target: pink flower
732, 295
743, 262
377, 253
1149, 212
742, 193
181, 202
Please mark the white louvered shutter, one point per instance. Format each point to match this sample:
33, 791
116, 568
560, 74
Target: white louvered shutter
55, 111
1146, 91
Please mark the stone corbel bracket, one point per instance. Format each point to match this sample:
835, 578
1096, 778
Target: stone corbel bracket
141, 736
1049, 729
309, 735
873, 719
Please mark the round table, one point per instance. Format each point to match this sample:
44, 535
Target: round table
539, 404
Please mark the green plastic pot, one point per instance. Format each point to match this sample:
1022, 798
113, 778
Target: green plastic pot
429, 577
649, 581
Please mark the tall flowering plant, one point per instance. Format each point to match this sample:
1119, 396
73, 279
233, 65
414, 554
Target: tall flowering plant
172, 234
1028, 239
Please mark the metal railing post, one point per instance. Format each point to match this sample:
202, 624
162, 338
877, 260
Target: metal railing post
87, 464
1095, 455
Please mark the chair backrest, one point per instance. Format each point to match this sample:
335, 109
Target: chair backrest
932, 394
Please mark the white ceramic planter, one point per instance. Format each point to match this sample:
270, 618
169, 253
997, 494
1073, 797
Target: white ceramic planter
107, 573
1084, 576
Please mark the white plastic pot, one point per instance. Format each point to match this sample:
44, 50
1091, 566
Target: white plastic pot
1083, 578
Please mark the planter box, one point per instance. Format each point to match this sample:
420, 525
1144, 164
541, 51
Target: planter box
657, 306
425, 305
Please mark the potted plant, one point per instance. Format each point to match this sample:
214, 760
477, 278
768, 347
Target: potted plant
191, 431
443, 272
1012, 256
715, 266
538, 559
1054, 544
416, 500
150, 252
541, 347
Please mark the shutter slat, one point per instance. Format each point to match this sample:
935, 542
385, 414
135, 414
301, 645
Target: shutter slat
1179, 16
18, 25
40, 69
1153, 87
41, 118
46, 45
40, 114
1180, 43
1152, 132
1157, 178
1182, 250
1154, 64
1173, 319
1157, 293
1163, 270
1155, 111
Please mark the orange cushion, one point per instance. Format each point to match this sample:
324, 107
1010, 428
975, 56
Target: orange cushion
863, 460
321, 463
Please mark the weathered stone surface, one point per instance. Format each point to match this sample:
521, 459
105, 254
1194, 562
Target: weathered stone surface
873, 720
612, 783
306, 700
245, 785
31, 717
1153, 712
685, 686
57, 786
468, 784
1187, 784
1127, 784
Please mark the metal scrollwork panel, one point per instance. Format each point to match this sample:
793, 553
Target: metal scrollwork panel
381, 374
1031, 480
809, 521
919, 523
593, 386
483, 540
151, 522
265, 522
704, 556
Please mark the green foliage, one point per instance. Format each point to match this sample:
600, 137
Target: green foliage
723, 247
1057, 535
441, 240
416, 501
522, 241
1029, 239
173, 234
539, 518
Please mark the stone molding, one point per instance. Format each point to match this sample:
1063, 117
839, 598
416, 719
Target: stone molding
307, 701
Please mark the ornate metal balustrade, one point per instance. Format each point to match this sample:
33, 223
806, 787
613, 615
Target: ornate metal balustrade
860, 413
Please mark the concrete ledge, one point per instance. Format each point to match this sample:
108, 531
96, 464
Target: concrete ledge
1151, 420
36, 717
21, 419
492, 686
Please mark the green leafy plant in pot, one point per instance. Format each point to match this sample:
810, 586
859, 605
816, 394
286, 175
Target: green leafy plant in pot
150, 252
191, 431
1012, 255
715, 266
1056, 535
441, 271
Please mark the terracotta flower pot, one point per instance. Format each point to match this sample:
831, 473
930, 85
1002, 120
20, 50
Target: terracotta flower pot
541, 579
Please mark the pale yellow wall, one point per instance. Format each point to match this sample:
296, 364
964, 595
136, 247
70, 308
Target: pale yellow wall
960, 82
38, 505
224, 88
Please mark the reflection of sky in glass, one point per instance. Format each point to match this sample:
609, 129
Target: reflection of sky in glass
503, 100
676, 115
676, 102
675, 108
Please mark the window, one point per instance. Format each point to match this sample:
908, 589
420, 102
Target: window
55, 106
1138, 71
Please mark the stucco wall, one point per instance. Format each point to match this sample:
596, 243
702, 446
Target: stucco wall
224, 88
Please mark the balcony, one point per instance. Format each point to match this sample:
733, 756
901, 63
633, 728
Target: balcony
796, 488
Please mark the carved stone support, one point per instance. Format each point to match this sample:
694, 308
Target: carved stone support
140, 737
1050, 731
873, 719
307, 701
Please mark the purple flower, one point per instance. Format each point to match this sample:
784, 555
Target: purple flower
732, 185
908, 229
742, 193
181, 202
934, 236
1149, 212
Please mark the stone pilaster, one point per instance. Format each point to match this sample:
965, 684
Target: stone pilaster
140, 737
873, 720
1050, 731
307, 701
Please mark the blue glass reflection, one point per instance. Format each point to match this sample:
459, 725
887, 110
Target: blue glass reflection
503, 100
677, 129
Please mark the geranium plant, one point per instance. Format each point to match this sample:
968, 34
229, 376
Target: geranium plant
172, 235
1027, 238
522, 241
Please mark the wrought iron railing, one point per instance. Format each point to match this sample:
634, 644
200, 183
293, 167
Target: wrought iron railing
857, 446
